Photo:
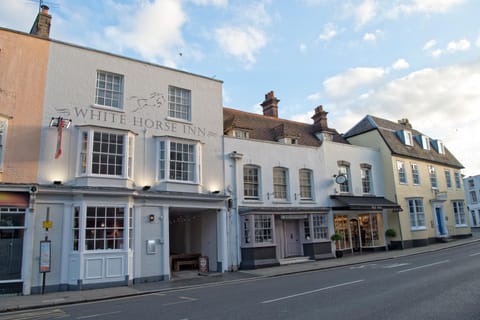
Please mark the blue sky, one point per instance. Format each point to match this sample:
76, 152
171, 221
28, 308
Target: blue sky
415, 59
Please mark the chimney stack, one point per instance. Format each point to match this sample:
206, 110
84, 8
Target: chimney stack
404, 122
41, 26
270, 105
320, 119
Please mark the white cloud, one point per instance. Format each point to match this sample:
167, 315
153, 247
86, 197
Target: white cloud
303, 117
461, 45
369, 37
437, 53
242, 43
435, 101
218, 3
314, 96
365, 12
329, 31
302, 48
477, 43
423, 6
18, 15
343, 84
153, 31
429, 45
400, 64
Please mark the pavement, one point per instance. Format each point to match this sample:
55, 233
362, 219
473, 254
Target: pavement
186, 279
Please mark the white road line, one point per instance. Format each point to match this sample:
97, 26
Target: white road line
396, 265
183, 300
475, 254
424, 266
312, 291
98, 315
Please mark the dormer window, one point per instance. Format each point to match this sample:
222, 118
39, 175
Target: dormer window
241, 134
425, 142
406, 137
439, 146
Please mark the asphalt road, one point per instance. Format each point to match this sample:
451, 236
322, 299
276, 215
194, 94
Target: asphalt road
438, 285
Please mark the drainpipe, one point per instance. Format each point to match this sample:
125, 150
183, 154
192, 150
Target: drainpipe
234, 215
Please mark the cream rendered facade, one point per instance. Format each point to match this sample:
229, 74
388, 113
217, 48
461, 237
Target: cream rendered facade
440, 219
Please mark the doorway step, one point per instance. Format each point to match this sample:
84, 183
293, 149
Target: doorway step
293, 260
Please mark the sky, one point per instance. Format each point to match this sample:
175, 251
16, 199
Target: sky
394, 59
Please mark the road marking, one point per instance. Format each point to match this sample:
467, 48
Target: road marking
311, 291
98, 315
396, 265
183, 300
47, 314
475, 254
424, 266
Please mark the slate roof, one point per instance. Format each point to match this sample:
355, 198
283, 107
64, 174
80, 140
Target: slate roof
266, 128
388, 131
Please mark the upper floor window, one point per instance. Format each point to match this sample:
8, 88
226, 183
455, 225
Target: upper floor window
459, 212
417, 213
280, 183
471, 183
439, 146
344, 171
402, 172
3, 139
305, 184
458, 181
251, 182
425, 142
473, 196
415, 174
406, 137
242, 134
366, 173
109, 89
433, 177
448, 179
179, 103
106, 153
178, 160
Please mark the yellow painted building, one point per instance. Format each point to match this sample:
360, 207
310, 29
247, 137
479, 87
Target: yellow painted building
422, 176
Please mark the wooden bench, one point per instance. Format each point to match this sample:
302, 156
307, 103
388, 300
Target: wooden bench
184, 259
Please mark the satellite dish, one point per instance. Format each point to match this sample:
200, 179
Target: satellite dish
341, 179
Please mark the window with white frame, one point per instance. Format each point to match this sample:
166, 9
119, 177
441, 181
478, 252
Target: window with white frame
425, 142
241, 134
458, 180
473, 196
448, 179
178, 160
320, 226
406, 137
415, 174
109, 89
280, 180
344, 170
106, 153
306, 229
402, 172
459, 212
260, 227
306, 184
471, 184
417, 213
366, 175
3, 139
130, 228
179, 103
104, 228
251, 182
433, 177
76, 228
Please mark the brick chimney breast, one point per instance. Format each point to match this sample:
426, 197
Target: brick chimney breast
320, 122
41, 26
270, 105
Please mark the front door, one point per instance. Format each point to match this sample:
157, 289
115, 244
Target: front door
292, 238
441, 231
354, 229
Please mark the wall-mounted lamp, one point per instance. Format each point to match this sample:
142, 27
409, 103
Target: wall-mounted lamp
151, 218
57, 182
59, 121
146, 188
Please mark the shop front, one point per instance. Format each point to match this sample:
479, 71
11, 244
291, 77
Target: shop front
361, 221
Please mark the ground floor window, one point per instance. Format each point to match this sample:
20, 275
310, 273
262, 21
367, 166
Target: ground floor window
12, 225
259, 226
459, 212
417, 213
104, 228
341, 226
369, 229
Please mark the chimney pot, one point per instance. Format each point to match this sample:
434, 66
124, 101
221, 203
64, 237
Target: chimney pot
270, 105
44, 8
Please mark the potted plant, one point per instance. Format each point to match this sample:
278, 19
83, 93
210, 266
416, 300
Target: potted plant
390, 233
337, 237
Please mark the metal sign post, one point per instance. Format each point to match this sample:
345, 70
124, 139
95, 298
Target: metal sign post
45, 250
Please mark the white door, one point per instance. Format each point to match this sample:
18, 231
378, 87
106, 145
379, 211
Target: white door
292, 238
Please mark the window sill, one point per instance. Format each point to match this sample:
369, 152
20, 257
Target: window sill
98, 106
252, 201
461, 226
281, 202
178, 120
418, 229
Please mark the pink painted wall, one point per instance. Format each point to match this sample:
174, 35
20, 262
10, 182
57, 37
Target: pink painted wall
23, 65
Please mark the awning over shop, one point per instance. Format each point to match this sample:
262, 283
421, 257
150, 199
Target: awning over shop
364, 203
